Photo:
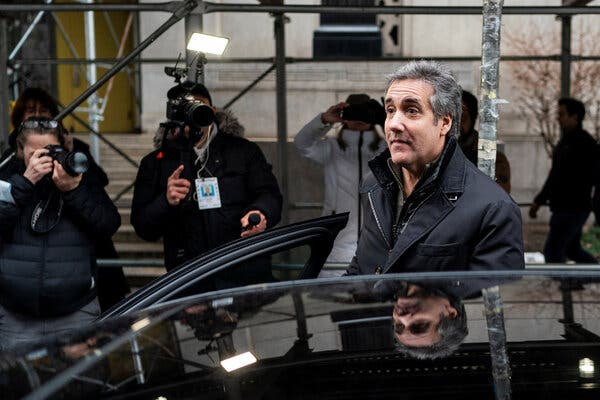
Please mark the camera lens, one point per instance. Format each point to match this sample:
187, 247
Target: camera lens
77, 163
198, 114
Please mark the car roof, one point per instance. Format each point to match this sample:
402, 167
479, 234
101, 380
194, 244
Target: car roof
331, 337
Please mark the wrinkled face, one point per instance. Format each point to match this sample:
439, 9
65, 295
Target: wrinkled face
35, 109
413, 135
35, 141
566, 121
417, 317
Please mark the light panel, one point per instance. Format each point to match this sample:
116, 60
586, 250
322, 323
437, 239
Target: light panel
238, 361
207, 43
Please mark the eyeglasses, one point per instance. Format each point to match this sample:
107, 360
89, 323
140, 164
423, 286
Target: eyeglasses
39, 124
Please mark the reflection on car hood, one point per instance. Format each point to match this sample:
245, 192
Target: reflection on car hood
462, 335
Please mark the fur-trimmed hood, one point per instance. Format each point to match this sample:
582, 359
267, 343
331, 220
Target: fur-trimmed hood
227, 123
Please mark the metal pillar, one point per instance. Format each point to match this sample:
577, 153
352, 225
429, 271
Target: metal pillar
193, 23
490, 72
90, 51
30, 29
490, 66
4, 113
565, 56
279, 28
494, 315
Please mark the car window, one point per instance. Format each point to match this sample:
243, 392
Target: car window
283, 265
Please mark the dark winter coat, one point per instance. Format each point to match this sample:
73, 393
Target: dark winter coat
245, 183
51, 274
575, 170
456, 218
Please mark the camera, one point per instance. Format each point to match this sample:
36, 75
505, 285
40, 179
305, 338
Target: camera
187, 110
73, 162
370, 112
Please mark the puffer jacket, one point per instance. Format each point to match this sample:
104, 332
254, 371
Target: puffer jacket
456, 218
49, 274
245, 183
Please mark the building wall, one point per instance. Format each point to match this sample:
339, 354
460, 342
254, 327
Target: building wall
121, 112
313, 86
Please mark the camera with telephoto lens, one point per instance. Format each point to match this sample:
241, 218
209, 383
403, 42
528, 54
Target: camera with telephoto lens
370, 112
73, 162
187, 110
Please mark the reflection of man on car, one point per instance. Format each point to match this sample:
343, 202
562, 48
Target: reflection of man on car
429, 317
427, 323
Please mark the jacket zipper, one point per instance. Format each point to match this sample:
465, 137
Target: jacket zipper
377, 220
404, 225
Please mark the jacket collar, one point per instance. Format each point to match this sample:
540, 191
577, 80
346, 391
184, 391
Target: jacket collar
438, 190
451, 182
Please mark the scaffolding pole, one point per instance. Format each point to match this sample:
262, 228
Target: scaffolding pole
4, 112
494, 315
565, 56
25, 36
490, 74
93, 110
184, 9
208, 7
279, 27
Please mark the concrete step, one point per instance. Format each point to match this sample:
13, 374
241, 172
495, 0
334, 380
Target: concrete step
119, 138
116, 185
139, 250
115, 159
126, 234
124, 201
120, 172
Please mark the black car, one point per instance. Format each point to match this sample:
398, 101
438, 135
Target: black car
295, 251
513, 335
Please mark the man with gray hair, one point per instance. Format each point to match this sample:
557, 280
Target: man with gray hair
427, 208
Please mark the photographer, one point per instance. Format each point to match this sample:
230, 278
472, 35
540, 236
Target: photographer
344, 158
36, 102
199, 187
51, 214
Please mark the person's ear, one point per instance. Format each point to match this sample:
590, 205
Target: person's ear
452, 312
446, 124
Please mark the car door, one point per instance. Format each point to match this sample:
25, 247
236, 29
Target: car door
296, 251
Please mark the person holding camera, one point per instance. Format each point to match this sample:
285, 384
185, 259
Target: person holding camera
344, 158
204, 185
36, 102
51, 214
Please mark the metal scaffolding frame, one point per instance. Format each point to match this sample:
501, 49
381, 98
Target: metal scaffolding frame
491, 11
192, 11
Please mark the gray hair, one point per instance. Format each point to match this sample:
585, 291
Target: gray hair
452, 331
446, 97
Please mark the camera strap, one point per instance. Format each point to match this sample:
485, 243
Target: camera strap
203, 153
41, 209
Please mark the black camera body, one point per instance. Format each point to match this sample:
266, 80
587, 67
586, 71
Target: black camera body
370, 112
187, 110
73, 162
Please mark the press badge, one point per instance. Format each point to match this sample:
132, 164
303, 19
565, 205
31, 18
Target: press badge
207, 192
